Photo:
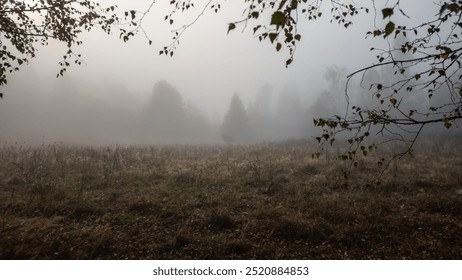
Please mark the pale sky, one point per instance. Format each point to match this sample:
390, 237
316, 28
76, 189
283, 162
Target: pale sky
209, 64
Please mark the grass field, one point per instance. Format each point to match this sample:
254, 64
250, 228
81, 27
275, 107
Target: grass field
266, 201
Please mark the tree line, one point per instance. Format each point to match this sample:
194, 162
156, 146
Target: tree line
109, 113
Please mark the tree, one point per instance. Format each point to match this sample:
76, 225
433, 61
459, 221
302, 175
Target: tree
261, 115
236, 128
199, 129
26, 25
420, 84
427, 61
328, 104
165, 118
291, 120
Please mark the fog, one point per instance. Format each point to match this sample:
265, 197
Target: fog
217, 88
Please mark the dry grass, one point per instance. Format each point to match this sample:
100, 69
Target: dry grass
267, 201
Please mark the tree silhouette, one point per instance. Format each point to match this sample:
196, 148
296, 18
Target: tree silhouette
235, 127
328, 103
198, 125
261, 113
165, 119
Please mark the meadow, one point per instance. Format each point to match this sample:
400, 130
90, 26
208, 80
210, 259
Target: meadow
265, 201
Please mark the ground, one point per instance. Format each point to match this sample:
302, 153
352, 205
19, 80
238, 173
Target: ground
265, 201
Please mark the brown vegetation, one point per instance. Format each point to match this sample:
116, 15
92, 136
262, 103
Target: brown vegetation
267, 201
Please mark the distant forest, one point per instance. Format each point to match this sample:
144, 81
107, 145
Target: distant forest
109, 114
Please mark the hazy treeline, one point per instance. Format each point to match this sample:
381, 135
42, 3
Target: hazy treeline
100, 113
109, 114
105, 113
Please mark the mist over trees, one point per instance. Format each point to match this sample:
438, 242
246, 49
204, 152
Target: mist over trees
164, 116
76, 112
292, 115
260, 112
236, 127
331, 100
167, 119
67, 111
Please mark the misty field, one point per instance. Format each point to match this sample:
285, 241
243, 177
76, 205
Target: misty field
265, 201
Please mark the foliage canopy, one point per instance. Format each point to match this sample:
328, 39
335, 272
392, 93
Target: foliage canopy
25, 25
